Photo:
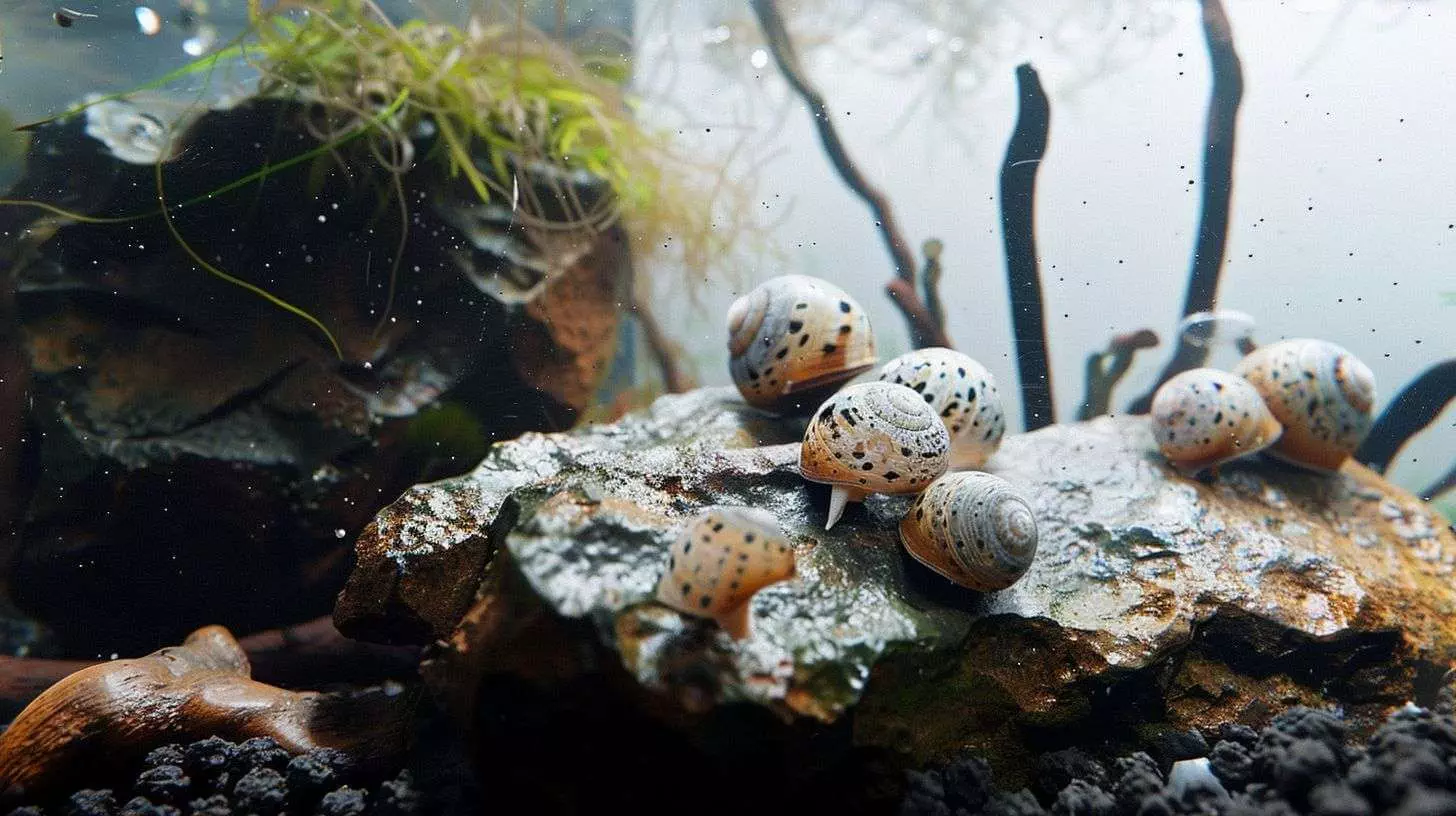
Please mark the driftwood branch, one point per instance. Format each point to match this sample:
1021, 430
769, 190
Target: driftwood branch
924, 329
1441, 486
1106, 368
930, 279
1218, 185
310, 655
664, 351
1018, 226
1415, 407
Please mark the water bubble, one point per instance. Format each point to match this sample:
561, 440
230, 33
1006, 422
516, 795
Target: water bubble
1206, 329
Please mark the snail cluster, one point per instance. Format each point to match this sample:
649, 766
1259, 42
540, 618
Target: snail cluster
795, 344
1307, 402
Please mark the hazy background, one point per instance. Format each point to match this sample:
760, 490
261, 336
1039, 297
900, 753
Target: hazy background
1344, 220
1344, 189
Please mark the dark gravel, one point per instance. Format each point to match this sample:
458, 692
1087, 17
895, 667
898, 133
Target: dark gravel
214, 777
1303, 763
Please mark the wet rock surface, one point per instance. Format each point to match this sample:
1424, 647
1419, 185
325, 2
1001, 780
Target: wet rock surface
1156, 604
197, 455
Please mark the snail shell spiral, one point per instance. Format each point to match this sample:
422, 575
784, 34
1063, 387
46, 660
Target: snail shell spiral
1321, 394
962, 392
874, 437
794, 339
973, 528
722, 558
1205, 417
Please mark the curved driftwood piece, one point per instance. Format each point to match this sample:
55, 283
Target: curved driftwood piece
110, 714
1018, 190
1105, 369
1218, 188
924, 329
1413, 409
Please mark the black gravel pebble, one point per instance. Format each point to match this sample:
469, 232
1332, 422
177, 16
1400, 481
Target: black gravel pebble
1303, 763
215, 777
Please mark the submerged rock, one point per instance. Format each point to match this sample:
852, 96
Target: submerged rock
1156, 604
198, 455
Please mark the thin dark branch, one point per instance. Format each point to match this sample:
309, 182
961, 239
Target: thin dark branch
1018, 226
664, 351
930, 279
1218, 186
1106, 368
1441, 486
1416, 406
924, 331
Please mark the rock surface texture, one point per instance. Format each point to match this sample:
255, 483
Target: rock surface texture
1156, 604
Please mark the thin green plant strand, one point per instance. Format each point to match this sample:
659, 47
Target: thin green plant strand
258, 175
239, 282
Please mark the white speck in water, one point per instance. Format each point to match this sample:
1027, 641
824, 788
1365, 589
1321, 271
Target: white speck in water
201, 42
323, 219
758, 58
368, 366
340, 532
148, 21
717, 35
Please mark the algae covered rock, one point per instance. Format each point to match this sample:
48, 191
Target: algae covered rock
1156, 603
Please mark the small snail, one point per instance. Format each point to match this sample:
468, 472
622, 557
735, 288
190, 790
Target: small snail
962, 392
794, 340
875, 437
723, 557
1205, 417
1321, 393
972, 528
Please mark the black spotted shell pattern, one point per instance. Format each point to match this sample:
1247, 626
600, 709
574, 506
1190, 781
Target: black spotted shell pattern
962, 392
875, 437
792, 333
722, 557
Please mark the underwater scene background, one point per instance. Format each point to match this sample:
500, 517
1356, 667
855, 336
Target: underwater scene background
460, 406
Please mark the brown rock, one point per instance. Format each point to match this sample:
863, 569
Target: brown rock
1154, 600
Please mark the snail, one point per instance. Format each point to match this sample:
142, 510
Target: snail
794, 340
1320, 392
972, 528
963, 392
723, 557
1205, 417
875, 437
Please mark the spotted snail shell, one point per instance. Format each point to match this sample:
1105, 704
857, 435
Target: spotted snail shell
963, 392
874, 437
723, 557
794, 340
1205, 417
972, 528
1321, 393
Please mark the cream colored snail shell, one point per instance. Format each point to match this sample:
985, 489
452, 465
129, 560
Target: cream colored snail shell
722, 558
962, 392
794, 339
874, 437
1321, 394
1205, 417
973, 528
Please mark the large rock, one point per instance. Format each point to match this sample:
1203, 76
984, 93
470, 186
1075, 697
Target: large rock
197, 455
1156, 603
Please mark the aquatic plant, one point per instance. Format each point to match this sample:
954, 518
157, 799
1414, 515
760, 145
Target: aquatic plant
494, 105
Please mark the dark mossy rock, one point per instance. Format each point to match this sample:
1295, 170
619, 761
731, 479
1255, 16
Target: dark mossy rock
1156, 604
195, 454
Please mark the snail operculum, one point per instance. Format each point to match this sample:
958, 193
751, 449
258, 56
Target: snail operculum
1205, 417
972, 528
